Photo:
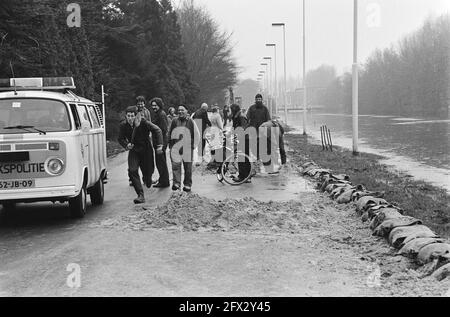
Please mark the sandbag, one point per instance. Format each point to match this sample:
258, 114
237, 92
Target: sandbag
383, 214
368, 201
412, 248
440, 251
342, 177
386, 226
398, 235
359, 194
339, 190
442, 273
375, 210
346, 196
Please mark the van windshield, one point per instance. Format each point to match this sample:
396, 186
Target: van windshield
43, 114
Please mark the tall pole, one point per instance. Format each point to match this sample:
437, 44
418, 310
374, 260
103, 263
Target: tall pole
355, 78
305, 99
270, 86
267, 80
276, 76
285, 81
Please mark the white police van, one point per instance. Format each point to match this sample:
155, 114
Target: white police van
52, 144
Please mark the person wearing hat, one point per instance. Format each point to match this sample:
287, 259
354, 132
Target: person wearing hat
257, 114
134, 136
160, 119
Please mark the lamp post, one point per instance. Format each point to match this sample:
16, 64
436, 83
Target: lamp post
305, 99
270, 85
262, 74
285, 82
267, 80
355, 78
276, 78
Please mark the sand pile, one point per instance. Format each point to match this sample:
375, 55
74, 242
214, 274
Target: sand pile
190, 212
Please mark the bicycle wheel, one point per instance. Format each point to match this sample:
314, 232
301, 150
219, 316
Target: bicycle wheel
230, 169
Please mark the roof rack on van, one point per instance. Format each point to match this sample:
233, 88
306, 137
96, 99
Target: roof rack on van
37, 83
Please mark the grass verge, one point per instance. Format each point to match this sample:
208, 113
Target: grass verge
419, 199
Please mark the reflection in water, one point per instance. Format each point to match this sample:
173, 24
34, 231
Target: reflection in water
420, 149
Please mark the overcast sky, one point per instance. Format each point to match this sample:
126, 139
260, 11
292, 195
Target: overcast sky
329, 27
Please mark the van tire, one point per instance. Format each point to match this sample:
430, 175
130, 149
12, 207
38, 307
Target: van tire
78, 205
98, 193
7, 209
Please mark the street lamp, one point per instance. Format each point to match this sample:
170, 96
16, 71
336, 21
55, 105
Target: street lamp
305, 99
267, 80
285, 82
262, 74
276, 76
355, 78
270, 85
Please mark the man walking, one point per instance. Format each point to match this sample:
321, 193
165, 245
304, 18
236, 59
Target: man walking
134, 137
160, 119
183, 133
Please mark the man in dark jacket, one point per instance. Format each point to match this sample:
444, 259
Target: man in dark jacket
183, 135
134, 137
257, 115
160, 119
202, 114
240, 121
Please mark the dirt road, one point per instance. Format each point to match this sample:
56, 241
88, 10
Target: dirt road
274, 237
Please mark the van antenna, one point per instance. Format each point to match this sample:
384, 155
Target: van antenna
14, 77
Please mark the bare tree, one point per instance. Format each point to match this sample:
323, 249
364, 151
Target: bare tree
208, 51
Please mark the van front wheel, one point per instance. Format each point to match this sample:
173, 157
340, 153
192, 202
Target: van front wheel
98, 193
78, 205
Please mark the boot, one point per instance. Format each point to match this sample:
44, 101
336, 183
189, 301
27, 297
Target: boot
140, 199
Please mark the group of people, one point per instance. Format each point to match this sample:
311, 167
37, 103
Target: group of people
147, 135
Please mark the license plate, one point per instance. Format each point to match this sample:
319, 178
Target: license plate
17, 184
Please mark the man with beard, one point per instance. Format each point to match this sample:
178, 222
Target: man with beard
256, 116
160, 119
134, 137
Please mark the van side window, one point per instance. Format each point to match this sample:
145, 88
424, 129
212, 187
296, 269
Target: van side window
76, 118
94, 117
84, 117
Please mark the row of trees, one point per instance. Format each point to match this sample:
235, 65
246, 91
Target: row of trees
140, 47
412, 78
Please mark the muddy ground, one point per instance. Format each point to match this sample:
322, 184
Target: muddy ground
274, 237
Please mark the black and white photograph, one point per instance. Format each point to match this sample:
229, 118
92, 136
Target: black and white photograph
224, 154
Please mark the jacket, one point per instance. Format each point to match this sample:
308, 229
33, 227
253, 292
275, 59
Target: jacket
139, 136
257, 115
160, 119
190, 125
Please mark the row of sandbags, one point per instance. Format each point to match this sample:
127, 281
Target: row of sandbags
406, 234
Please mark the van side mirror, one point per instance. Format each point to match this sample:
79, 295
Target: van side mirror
85, 126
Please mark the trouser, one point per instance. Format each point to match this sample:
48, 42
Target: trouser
161, 165
176, 170
139, 160
148, 169
245, 167
271, 148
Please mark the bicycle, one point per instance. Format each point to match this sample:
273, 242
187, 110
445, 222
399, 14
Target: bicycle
229, 167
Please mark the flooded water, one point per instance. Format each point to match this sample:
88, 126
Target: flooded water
417, 146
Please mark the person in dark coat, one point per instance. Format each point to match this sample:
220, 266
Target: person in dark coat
257, 114
182, 127
202, 115
134, 136
160, 119
240, 121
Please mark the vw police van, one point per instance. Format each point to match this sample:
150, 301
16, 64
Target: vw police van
52, 144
